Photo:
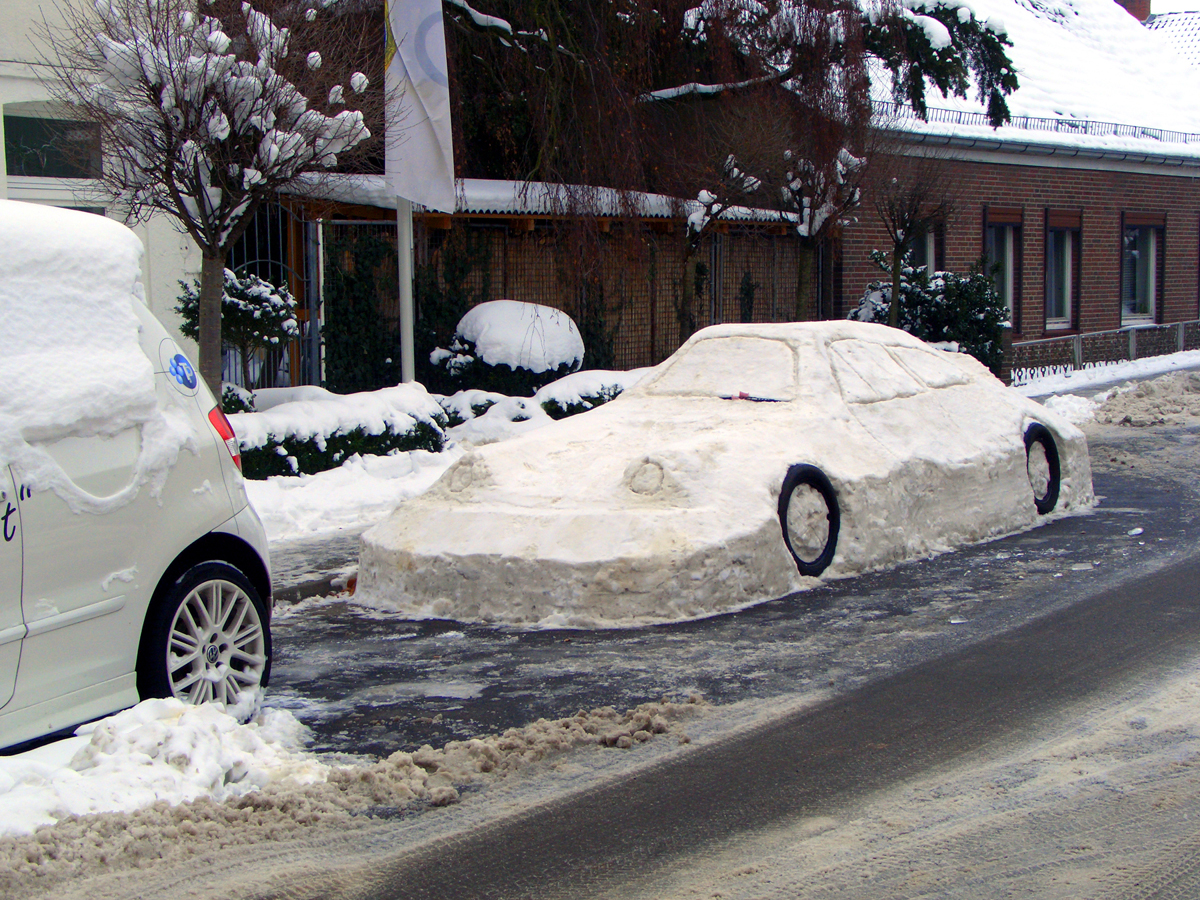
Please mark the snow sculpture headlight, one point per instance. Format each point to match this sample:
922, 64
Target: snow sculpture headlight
467, 472
646, 478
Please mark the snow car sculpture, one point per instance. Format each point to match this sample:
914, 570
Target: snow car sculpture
754, 460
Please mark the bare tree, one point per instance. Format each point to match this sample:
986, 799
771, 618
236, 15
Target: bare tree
911, 194
208, 107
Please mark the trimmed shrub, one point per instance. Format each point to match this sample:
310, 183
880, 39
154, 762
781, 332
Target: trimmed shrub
944, 308
557, 410
306, 456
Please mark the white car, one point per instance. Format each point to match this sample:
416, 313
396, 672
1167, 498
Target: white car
133, 565
752, 461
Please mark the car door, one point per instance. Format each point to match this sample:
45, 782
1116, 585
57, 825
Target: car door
80, 565
12, 626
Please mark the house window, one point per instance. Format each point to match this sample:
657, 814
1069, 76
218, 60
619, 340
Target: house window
51, 148
1141, 269
1002, 256
1062, 269
927, 250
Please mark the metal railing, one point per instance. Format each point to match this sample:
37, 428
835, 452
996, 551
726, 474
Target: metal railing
1039, 123
1058, 355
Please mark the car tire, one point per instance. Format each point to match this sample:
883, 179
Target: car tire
1045, 478
207, 638
811, 536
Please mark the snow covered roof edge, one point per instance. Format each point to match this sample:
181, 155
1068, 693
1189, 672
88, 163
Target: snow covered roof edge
479, 196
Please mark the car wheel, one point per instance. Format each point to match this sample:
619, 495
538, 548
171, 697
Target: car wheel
1042, 467
208, 638
810, 518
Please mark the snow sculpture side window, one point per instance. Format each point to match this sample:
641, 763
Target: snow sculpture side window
936, 371
758, 368
867, 374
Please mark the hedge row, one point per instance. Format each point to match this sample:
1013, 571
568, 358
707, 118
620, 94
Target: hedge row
306, 456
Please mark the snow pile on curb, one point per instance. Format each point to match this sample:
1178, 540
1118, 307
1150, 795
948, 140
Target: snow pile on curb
159, 750
1170, 400
280, 806
361, 490
1075, 409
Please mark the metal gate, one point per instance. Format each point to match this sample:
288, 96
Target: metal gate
281, 247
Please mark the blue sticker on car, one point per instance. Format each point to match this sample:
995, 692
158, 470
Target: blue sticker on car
182, 371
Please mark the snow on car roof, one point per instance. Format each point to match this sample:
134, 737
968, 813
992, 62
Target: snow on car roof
72, 363
69, 334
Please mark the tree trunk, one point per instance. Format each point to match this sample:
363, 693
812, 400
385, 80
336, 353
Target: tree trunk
803, 283
894, 306
685, 310
245, 353
212, 286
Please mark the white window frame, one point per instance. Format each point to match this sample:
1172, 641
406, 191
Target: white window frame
1145, 276
1007, 265
1065, 296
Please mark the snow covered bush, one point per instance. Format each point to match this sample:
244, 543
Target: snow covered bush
255, 315
942, 308
512, 348
236, 399
303, 437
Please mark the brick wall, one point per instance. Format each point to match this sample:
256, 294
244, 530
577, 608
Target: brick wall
638, 275
1100, 196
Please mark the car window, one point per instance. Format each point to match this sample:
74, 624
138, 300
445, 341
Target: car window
867, 374
931, 366
746, 367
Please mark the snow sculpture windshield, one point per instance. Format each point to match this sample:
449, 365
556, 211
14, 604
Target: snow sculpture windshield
733, 367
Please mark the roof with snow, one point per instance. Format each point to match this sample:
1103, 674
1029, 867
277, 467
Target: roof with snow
1182, 29
1093, 81
486, 197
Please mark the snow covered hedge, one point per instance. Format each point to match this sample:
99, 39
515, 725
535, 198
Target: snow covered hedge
323, 430
511, 348
942, 308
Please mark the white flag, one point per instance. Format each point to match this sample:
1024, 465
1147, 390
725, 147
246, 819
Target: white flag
420, 155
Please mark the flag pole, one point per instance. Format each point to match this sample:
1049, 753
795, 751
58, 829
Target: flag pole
404, 253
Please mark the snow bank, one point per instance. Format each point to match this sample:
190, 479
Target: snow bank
1169, 400
361, 491
364, 489
72, 363
490, 417
158, 751
156, 783
522, 335
397, 409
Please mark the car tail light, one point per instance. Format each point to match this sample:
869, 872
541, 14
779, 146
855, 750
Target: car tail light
225, 430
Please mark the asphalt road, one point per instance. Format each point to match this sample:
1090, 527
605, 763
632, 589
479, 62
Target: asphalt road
818, 763
958, 657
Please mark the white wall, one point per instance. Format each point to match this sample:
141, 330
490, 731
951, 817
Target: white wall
170, 256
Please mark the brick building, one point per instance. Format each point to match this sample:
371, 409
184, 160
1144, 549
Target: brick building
1087, 202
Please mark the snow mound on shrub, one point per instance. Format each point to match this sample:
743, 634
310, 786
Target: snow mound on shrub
522, 335
318, 416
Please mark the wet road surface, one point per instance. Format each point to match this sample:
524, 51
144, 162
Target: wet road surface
374, 683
